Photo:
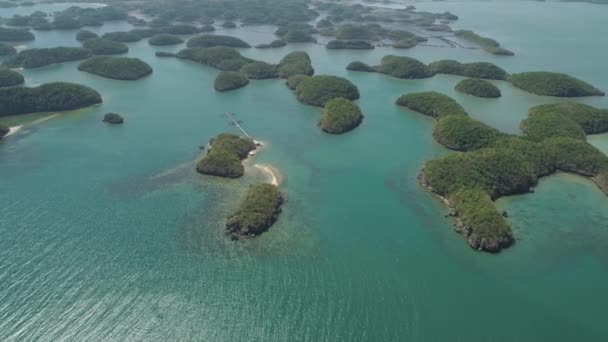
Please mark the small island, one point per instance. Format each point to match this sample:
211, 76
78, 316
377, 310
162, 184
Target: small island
318, 90
360, 66
340, 116
117, 68
230, 80
123, 37
212, 40
165, 39
431, 103
478, 87
100, 46
295, 63
293, 81
274, 44
403, 67
567, 119
483, 70
487, 44
35, 58
223, 158
220, 57
10, 78
257, 212
58, 96
260, 71
83, 35
553, 84
113, 118
339, 44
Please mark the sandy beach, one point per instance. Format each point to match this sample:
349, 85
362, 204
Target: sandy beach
13, 130
271, 174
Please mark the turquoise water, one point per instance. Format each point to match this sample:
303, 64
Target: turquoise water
109, 234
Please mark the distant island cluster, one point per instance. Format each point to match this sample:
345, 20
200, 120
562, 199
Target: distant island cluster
491, 164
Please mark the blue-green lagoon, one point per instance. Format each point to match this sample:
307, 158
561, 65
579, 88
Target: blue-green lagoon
109, 234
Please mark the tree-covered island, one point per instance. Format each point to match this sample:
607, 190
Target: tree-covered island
35, 58
258, 211
118, 68
224, 156
478, 87
553, 84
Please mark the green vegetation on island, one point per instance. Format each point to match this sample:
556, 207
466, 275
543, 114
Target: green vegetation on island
496, 164
122, 37
431, 103
406, 43
83, 35
260, 70
298, 36
230, 80
487, 44
257, 212
295, 63
220, 57
224, 157
15, 35
211, 40
478, 87
7, 50
118, 68
553, 84
293, 81
34, 58
318, 90
360, 66
338, 44
403, 67
48, 97
274, 44
10, 78
483, 70
165, 39
339, 116
100, 46
113, 118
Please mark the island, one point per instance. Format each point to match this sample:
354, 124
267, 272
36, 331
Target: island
293, 81
318, 90
100, 46
403, 67
15, 35
117, 68
497, 164
295, 63
58, 96
274, 44
360, 66
10, 78
553, 84
123, 37
339, 44
223, 158
212, 40
113, 118
260, 71
165, 39
7, 50
478, 87
340, 116
220, 57
258, 211
230, 80
35, 58
83, 35
483, 70
487, 44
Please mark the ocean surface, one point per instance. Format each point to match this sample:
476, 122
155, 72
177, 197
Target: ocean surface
108, 233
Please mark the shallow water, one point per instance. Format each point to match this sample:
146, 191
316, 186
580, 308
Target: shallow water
109, 234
